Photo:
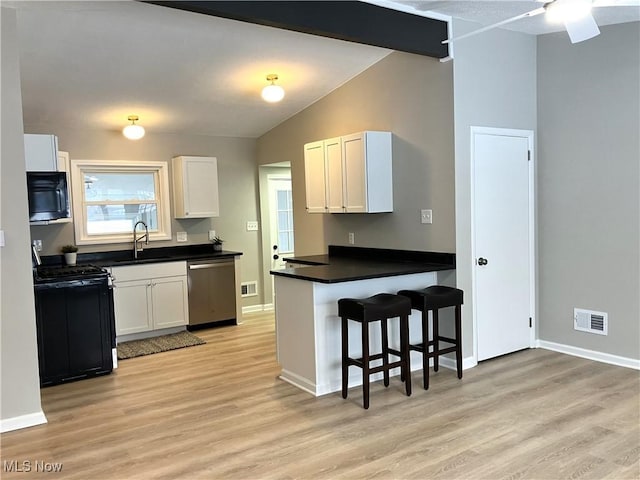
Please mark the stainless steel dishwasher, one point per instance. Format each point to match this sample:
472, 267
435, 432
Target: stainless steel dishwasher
212, 291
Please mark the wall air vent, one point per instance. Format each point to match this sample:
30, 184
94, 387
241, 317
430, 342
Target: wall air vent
249, 289
590, 321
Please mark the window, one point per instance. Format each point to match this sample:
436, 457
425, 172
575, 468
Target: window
110, 196
285, 221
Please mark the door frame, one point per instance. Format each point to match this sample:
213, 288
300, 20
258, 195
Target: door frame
274, 177
529, 135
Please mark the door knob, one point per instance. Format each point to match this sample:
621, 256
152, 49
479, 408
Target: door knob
482, 261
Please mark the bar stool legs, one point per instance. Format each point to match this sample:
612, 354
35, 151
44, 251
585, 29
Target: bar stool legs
381, 307
432, 299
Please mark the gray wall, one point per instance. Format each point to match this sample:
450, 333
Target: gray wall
238, 188
494, 77
412, 97
589, 177
19, 355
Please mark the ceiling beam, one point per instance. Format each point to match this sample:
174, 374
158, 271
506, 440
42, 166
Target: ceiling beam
352, 21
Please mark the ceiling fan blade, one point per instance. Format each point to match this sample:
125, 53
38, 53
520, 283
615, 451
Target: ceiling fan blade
531, 13
582, 29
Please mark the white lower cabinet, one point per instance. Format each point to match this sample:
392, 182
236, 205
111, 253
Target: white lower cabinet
150, 297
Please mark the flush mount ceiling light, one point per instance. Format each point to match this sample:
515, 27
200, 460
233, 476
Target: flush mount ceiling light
272, 93
133, 131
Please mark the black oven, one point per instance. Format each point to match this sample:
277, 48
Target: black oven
48, 195
75, 322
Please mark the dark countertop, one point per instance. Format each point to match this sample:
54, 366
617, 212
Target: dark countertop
149, 255
346, 264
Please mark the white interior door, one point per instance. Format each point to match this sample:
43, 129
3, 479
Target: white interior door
281, 220
503, 240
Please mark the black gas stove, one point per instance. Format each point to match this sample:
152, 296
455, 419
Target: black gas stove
75, 322
57, 273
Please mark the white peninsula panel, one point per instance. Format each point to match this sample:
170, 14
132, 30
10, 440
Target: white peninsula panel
308, 328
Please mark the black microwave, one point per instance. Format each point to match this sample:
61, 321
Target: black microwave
48, 196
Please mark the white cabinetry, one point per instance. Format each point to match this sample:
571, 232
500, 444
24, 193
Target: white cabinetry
195, 187
314, 177
350, 174
150, 297
333, 175
40, 152
366, 171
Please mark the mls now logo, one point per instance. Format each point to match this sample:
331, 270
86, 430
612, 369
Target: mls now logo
30, 466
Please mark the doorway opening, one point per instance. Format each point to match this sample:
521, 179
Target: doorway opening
276, 214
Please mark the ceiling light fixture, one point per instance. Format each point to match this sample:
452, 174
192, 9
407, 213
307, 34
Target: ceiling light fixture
561, 11
133, 131
576, 16
272, 93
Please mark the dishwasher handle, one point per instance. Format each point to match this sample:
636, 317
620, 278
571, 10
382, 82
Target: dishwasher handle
198, 266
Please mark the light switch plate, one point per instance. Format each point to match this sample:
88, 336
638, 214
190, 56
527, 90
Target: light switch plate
181, 237
426, 216
212, 235
2, 238
352, 238
252, 226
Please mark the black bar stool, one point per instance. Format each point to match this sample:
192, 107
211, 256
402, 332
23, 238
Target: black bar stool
431, 299
382, 306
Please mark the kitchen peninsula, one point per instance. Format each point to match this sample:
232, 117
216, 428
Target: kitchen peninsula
306, 304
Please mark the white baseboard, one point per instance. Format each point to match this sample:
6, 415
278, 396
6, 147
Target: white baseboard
267, 307
450, 363
23, 421
298, 381
590, 354
355, 375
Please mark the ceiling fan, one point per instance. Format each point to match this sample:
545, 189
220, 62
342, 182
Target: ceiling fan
575, 14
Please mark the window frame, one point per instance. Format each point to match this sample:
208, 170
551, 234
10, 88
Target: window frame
160, 169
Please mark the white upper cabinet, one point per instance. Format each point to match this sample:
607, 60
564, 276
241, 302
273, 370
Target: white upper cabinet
314, 177
195, 187
40, 152
357, 175
333, 173
367, 174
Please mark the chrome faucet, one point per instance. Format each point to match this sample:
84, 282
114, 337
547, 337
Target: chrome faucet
136, 248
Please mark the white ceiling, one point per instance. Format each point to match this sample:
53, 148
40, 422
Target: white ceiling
488, 12
90, 64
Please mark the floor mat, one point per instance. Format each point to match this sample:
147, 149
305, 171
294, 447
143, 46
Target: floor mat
163, 343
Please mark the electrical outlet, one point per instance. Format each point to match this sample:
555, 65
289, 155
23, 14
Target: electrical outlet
352, 238
181, 236
252, 226
212, 235
426, 216
38, 245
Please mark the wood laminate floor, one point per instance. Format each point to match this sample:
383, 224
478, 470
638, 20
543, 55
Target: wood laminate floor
219, 411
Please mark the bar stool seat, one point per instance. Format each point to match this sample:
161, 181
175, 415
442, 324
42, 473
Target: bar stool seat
380, 307
432, 299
